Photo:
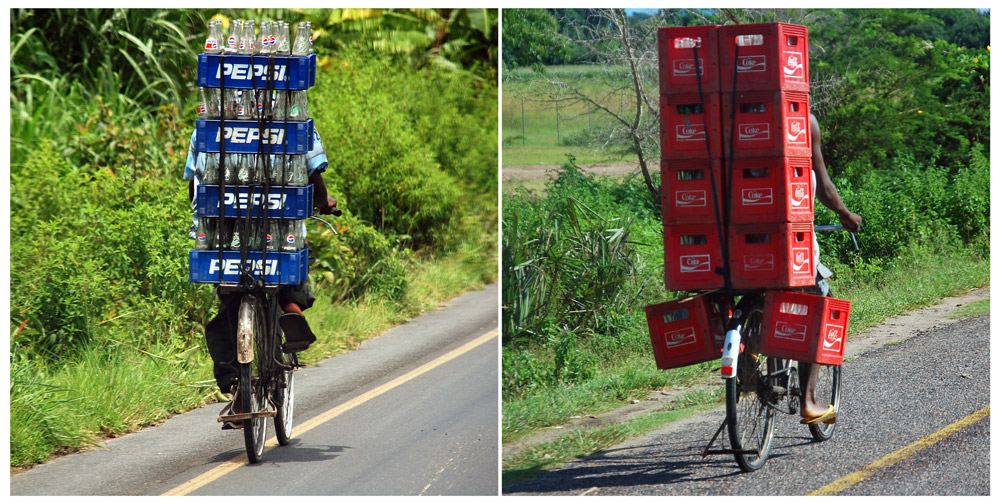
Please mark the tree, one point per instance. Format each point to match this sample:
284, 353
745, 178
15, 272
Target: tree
531, 36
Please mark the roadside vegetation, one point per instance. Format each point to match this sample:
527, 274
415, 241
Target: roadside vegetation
106, 330
908, 150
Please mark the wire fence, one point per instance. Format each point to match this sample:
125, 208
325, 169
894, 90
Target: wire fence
535, 122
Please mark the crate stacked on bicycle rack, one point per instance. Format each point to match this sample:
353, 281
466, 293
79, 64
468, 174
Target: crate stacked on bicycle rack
255, 131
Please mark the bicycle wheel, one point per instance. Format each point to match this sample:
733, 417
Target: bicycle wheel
285, 401
827, 392
749, 415
252, 390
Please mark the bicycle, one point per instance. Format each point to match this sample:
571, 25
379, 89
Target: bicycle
764, 385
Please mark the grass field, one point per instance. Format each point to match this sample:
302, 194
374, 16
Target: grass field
535, 132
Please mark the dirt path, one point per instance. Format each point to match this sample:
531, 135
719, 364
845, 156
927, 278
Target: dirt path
528, 172
894, 329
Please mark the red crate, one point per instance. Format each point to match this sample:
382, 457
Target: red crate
772, 256
686, 190
767, 124
676, 59
804, 327
687, 331
685, 120
774, 189
772, 56
691, 255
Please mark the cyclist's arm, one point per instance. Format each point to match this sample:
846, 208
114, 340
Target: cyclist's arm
826, 192
321, 198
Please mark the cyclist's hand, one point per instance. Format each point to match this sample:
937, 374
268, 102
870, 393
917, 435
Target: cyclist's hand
331, 207
851, 221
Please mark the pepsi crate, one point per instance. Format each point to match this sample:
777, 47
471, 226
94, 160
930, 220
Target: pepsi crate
283, 202
687, 331
685, 120
774, 189
245, 136
686, 190
772, 256
676, 59
249, 72
772, 56
804, 327
767, 124
282, 268
692, 253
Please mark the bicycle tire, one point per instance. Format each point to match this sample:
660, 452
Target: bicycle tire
827, 392
285, 402
252, 391
749, 415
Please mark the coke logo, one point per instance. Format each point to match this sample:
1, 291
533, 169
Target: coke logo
686, 67
794, 68
796, 130
682, 337
833, 339
799, 192
689, 198
755, 131
795, 127
758, 262
752, 64
757, 194
789, 331
690, 132
692, 264
793, 61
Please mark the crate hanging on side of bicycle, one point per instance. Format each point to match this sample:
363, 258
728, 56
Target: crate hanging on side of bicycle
687, 331
804, 327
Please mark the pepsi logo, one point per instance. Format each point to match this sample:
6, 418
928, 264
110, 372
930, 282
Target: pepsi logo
232, 40
290, 239
202, 237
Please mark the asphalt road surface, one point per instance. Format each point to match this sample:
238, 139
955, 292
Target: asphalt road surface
411, 412
914, 420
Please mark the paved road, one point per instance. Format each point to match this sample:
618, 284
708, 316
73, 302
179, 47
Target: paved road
893, 396
413, 411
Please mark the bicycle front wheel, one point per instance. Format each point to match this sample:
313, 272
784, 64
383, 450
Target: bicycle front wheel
253, 391
827, 392
749, 415
285, 401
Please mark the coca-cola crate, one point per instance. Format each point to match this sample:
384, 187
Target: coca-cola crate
767, 124
290, 72
687, 331
691, 255
771, 56
686, 190
676, 45
774, 189
685, 120
804, 327
772, 256
284, 268
283, 202
280, 137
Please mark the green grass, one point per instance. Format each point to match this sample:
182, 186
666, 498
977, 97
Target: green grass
975, 309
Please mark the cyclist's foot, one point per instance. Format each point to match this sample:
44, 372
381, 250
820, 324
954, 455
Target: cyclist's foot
829, 416
298, 336
234, 407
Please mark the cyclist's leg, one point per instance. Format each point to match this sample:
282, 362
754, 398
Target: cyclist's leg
220, 339
293, 299
809, 372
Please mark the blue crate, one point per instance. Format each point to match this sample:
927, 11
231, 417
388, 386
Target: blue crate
284, 268
284, 202
243, 137
300, 71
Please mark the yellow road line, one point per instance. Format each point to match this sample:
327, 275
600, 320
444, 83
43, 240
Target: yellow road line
240, 460
901, 454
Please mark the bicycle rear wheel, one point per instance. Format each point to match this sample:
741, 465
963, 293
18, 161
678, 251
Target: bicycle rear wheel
749, 415
827, 392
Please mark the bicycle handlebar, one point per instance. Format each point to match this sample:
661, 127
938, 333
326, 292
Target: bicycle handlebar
834, 227
327, 223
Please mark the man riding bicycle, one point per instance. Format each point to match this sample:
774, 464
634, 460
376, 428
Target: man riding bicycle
827, 194
220, 332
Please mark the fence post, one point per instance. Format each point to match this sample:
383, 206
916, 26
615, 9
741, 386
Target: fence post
558, 136
623, 104
590, 120
524, 137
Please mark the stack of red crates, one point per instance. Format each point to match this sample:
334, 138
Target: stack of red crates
770, 182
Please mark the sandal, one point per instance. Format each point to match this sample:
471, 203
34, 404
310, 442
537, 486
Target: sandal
298, 335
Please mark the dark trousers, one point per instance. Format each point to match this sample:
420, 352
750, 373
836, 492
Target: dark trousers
220, 333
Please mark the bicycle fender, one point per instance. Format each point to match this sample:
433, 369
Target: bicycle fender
244, 334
